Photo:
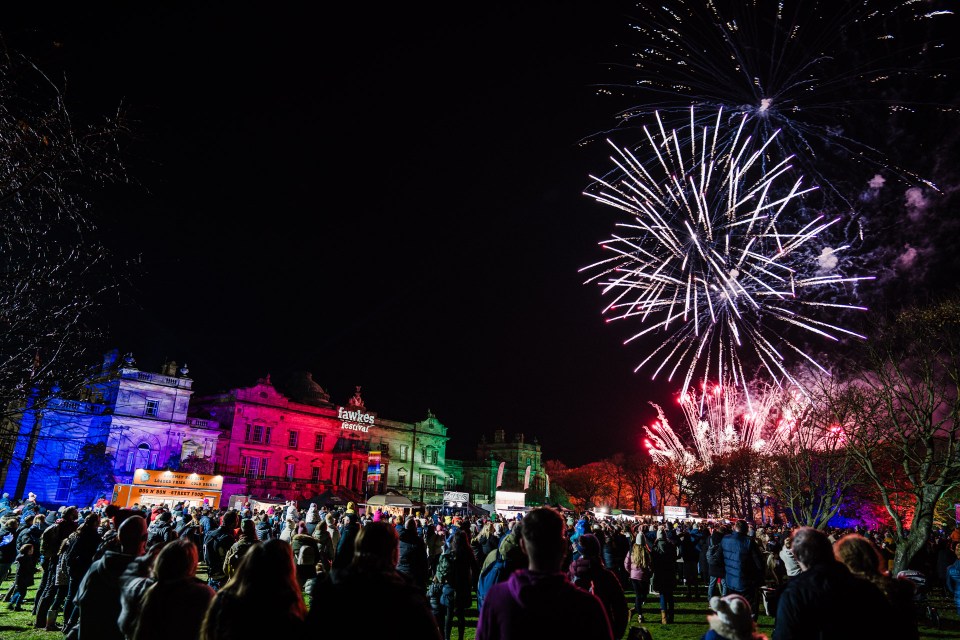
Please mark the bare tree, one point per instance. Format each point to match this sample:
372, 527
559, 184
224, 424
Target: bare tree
55, 270
905, 400
812, 475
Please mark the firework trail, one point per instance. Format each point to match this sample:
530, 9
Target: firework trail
707, 260
812, 69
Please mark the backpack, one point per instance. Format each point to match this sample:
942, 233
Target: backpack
495, 572
211, 547
307, 556
715, 554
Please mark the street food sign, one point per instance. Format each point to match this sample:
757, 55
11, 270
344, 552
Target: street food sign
177, 480
673, 513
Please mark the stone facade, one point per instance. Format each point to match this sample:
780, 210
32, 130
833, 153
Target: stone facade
479, 476
140, 416
297, 444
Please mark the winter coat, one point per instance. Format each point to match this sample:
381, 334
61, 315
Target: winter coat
188, 597
134, 582
26, 568
743, 562
161, 532
99, 597
664, 561
541, 605
713, 553
826, 601
81, 552
457, 576
790, 564
344, 553
289, 530
590, 575
953, 583
234, 554
8, 551
263, 531
413, 558
640, 574
325, 549
355, 594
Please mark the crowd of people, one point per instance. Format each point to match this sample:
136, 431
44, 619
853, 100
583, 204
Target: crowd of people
111, 573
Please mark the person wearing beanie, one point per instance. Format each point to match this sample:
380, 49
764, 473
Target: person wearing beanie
732, 620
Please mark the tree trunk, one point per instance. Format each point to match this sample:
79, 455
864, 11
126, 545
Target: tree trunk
920, 529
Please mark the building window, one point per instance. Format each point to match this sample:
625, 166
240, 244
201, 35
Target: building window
429, 481
430, 455
404, 450
293, 439
63, 489
153, 408
255, 434
475, 485
253, 467
318, 442
142, 459
315, 475
128, 466
401, 477
267, 439
291, 470
434, 456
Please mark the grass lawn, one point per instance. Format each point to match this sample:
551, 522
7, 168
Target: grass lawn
690, 621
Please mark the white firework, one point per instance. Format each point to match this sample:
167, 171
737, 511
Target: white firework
713, 259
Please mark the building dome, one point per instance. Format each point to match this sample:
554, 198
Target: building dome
301, 387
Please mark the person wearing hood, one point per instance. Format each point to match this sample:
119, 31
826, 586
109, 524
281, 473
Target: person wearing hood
589, 573
312, 518
289, 530
539, 602
305, 552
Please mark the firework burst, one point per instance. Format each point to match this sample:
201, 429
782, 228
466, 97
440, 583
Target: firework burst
812, 69
708, 261
721, 419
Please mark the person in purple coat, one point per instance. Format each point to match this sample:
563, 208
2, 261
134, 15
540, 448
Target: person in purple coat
539, 602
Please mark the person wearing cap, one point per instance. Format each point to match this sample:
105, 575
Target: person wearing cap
732, 619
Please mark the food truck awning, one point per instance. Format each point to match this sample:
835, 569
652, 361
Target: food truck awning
389, 500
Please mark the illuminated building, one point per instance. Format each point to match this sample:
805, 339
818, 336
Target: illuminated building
140, 417
298, 444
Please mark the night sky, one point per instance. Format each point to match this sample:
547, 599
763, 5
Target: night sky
387, 196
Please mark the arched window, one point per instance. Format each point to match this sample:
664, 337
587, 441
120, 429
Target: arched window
142, 458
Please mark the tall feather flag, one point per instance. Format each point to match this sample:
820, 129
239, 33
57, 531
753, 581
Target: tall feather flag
500, 475
547, 495
526, 478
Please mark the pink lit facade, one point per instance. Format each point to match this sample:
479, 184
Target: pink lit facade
273, 446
